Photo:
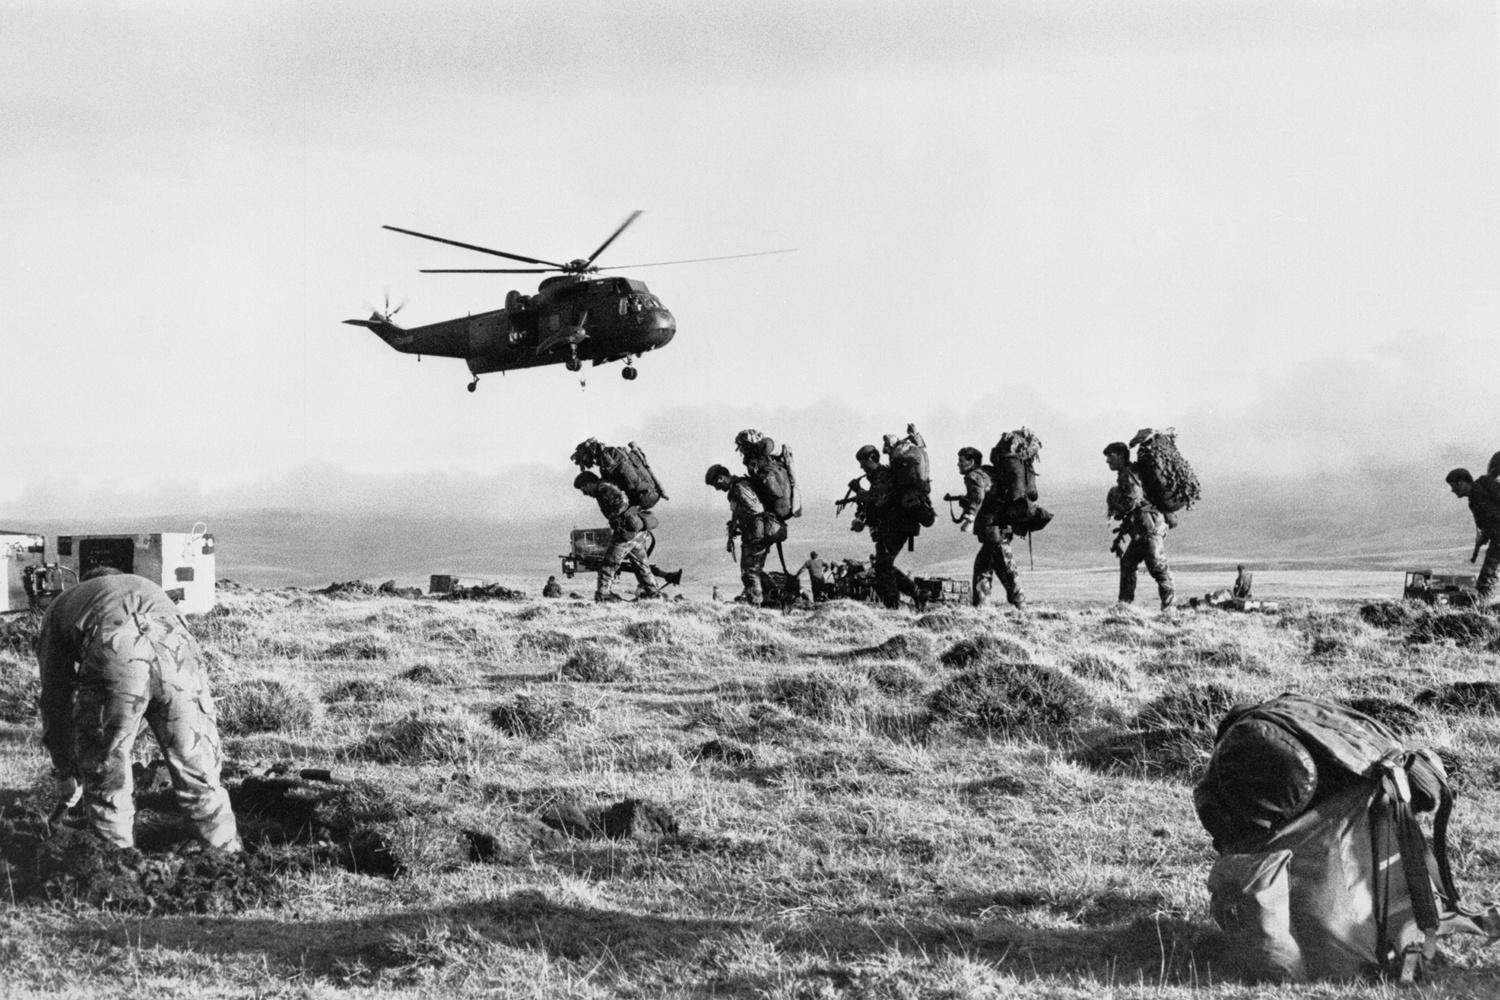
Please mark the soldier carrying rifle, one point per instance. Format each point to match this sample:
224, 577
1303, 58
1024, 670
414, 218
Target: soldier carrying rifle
1142, 523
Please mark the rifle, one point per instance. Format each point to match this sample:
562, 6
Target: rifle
951, 498
729, 533
850, 496
1117, 546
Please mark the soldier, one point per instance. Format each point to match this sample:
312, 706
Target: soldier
983, 506
1483, 495
113, 651
628, 543
552, 588
757, 529
890, 528
1144, 524
817, 576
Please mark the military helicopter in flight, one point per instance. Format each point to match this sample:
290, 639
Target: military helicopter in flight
573, 317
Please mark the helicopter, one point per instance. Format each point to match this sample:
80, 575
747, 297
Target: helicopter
574, 317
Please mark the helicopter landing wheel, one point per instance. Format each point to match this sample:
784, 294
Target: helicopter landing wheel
474, 384
574, 365
628, 374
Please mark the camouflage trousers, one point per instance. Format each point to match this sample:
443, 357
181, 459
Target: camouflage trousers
144, 666
752, 566
994, 557
1150, 548
890, 583
628, 552
1488, 572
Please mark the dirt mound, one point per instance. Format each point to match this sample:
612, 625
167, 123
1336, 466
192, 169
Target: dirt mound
1465, 628
1475, 697
483, 592
1387, 614
289, 823
632, 819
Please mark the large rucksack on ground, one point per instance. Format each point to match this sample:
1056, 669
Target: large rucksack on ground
1325, 871
1011, 501
1166, 477
628, 469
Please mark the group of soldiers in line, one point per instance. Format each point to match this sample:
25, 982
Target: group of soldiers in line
893, 502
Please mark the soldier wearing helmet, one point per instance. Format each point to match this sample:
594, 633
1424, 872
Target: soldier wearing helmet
630, 537
757, 529
890, 528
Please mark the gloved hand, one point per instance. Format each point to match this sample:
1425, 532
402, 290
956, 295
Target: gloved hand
966, 525
66, 794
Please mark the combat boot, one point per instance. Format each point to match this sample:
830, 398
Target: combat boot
609, 597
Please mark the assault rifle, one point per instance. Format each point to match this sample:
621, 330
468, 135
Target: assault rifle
953, 498
855, 496
1118, 545
729, 532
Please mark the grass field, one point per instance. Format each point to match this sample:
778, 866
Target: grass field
839, 802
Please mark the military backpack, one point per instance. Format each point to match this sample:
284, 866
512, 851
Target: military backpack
628, 469
1324, 870
1166, 477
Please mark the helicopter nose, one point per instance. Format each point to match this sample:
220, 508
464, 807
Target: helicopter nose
661, 327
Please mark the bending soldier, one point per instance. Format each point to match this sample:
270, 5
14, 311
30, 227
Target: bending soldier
112, 652
756, 528
1483, 495
1144, 525
890, 528
629, 537
817, 576
985, 505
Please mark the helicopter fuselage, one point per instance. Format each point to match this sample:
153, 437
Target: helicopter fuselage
570, 317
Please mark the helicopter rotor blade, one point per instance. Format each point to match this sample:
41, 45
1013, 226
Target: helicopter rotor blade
486, 270
471, 246
633, 216
698, 260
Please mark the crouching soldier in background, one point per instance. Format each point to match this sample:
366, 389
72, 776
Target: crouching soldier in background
628, 548
113, 651
757, 529
985, 500
1483, 495
1142, 522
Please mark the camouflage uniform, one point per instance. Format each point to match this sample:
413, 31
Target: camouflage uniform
628, 546
890, 529
982, 506
112, 651
749, 520
1484, 503
1148, 535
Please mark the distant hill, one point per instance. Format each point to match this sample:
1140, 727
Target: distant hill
1346, 523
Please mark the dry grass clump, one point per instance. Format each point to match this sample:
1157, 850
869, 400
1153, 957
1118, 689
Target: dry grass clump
425, 735
18, 634
1096, 665
537, 716
984, 648
944, 620
998, 697
1469, 697
1190, 706
437, 674
845, 618
1398, 715
357, 647
1390, 615
895, 678
264, 705
1465, 628
816, 696
901, 646
360, 690
1172, 736
595, 662
19, 690
544, 642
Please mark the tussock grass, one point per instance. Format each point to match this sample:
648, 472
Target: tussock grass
18, 634
983, 649
435, 674
265, 705
999, 697
357, 647
599, 663
537, 716
19, 690
834, 837
425, 735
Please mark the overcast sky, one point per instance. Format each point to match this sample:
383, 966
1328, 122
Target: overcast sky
1272, 225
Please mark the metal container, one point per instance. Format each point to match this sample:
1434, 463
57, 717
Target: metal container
182, 562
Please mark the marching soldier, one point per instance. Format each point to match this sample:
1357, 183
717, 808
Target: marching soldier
1144, 525
757, 529
1483, 495
628, 547
890, 528
983, 506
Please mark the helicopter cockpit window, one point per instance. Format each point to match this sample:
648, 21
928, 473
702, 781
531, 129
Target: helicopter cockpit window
623, 304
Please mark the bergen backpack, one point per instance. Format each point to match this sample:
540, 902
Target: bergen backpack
628, 469
1166, 477
1012, 500
1324, 869
911, 478
775, 483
